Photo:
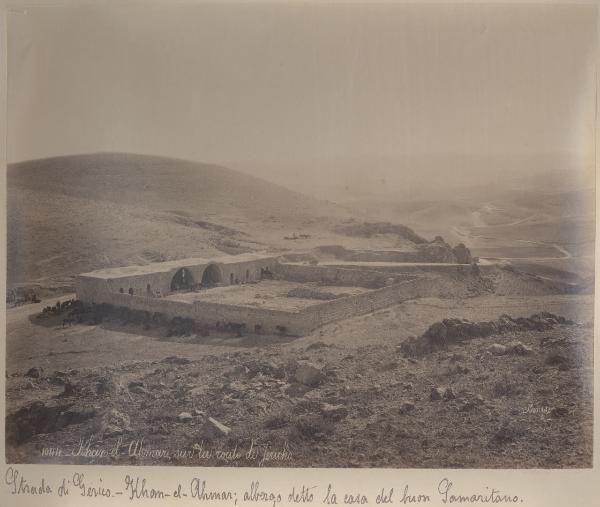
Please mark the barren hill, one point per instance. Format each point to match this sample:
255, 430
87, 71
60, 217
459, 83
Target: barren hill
75, 213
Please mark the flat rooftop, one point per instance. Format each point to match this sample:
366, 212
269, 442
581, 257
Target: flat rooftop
267, 294
162, 267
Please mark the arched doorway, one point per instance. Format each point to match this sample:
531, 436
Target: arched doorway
211, 276
182, 280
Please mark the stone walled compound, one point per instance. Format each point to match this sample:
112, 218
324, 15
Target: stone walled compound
151, 288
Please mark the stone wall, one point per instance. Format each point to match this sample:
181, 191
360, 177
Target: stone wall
139, 283
367, 302
352, 274
337, 275
148, 304
91, 290
270, 321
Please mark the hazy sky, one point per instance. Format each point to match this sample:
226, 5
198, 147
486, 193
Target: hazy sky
285, 85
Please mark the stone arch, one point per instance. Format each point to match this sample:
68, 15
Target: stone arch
211, 276
182, 280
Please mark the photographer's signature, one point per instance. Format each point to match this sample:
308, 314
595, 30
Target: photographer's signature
533, 409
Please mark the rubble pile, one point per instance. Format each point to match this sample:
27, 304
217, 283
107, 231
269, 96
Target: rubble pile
450, 331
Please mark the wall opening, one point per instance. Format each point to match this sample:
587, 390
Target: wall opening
247, 274
182, 280
211, 276
231, 278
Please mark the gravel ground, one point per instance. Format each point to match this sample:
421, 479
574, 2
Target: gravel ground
345, 396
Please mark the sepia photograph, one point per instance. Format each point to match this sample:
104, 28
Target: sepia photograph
297, 235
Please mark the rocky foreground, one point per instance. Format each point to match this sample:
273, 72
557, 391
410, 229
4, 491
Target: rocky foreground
507, 393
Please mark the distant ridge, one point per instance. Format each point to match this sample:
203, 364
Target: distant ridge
167, 182
72, 214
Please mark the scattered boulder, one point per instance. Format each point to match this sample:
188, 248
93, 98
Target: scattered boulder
71, 389
450, 331
137, 387
106, 385
277, 421
449, 394
507, 433
308, 374
437, 393
175, 360
468, 405
112, 422
311, 427
459, 369
334, 412
34, 372
295, 389
388, 365
59, 378
406, 407
214, 428
497, 350
517, 348
267, 368
185, 416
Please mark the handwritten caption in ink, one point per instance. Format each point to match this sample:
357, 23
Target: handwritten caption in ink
194, 490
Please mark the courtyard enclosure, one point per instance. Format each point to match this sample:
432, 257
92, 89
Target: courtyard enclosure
198, 289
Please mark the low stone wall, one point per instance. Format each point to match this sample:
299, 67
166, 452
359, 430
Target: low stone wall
359, 304
335, 275
408, 269
149, 304
270, 321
